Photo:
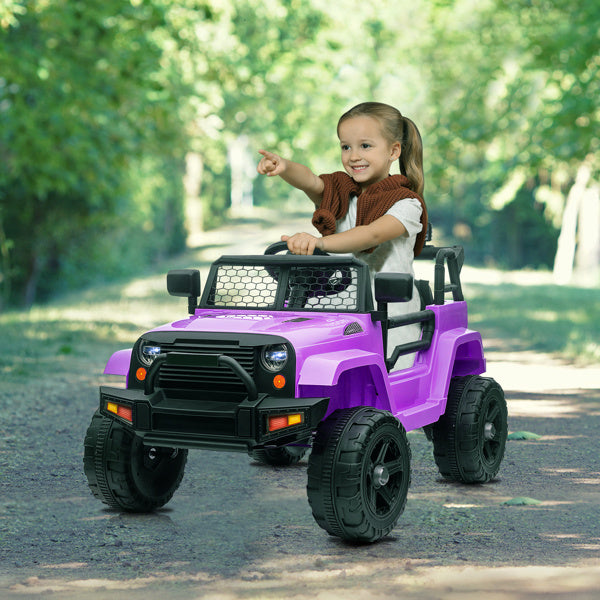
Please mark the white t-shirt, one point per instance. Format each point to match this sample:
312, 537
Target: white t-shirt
394, 256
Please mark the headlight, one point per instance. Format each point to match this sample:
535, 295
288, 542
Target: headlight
274, 357
148, 352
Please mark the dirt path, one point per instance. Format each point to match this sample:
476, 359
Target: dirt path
236, 529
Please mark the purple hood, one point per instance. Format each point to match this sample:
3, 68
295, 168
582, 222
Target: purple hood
300, 328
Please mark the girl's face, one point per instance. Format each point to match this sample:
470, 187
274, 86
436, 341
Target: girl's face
366, 154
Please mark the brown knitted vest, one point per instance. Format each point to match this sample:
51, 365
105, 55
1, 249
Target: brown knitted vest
372, 203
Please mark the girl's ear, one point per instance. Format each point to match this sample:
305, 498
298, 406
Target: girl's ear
396, 151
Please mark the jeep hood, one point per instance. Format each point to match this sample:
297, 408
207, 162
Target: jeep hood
300, 328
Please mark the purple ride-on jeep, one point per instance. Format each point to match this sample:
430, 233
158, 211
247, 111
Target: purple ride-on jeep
285, 352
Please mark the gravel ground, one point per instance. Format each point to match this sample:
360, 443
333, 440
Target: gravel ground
237, 529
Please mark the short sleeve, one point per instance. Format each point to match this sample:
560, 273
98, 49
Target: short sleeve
408, 212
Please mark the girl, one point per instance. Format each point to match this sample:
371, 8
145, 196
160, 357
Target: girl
380, 218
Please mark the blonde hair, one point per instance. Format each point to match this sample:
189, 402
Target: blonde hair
396, 128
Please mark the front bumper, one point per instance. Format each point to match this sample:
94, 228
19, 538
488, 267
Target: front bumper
201, 423
214, 425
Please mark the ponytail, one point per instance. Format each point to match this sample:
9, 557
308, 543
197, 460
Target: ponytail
411, 157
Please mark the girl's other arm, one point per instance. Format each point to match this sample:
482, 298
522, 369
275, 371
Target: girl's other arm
295, 174
354, 240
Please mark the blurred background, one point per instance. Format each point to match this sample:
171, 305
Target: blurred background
129, 128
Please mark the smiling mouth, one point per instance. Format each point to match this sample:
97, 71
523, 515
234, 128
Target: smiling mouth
359, 167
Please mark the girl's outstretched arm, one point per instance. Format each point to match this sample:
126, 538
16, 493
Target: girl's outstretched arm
354, 240
295, 174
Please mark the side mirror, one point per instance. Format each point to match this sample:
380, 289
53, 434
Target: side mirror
393, 287
185, 282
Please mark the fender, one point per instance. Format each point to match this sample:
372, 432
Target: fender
325, 369
118, 363
459, 352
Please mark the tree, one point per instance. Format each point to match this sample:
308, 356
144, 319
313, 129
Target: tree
88, 91
522, 105
266, 63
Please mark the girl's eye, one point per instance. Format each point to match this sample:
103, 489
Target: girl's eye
345, 147
365, 145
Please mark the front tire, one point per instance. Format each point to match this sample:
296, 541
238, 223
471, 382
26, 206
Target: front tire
125, 474
469, 439
359, 473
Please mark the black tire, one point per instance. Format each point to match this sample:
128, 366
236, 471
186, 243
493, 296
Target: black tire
469, 439
124, 473
359, 473
282, 456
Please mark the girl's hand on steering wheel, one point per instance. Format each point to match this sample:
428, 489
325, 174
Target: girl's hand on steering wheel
303, 243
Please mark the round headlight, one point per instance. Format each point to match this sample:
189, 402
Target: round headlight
274, 357
148, 352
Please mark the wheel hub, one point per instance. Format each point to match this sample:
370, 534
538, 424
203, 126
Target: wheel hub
489, 431
380, 476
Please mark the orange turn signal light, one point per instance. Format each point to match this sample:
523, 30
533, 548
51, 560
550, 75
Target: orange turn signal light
279, 381
282, 421
125, 412
141, 374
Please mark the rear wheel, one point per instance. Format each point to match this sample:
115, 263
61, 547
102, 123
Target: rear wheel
469, 439
124, 473
359, 473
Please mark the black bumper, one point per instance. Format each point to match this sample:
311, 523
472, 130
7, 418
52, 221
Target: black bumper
214, 425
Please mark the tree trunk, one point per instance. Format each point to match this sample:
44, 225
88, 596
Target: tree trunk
193, 204
5, 269
567, 240
33, 280
587, 258
243, 171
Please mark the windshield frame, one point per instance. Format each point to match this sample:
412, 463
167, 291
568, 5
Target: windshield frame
284, 266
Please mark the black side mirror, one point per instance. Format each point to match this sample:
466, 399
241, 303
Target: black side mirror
393, 287
185, 282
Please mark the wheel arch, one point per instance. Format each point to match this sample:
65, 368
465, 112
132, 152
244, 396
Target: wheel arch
348, 378
468, 357
459, 354
118, 363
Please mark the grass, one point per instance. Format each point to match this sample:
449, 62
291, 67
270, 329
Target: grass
79, 332
559, 320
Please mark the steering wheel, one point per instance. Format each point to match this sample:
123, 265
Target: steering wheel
277, 247
313, 282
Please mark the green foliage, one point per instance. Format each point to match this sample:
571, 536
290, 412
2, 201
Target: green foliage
520, 234
82, 95
86, 105
101, 100
514, 93
562, 44
273, 74
522, 501
521, 436
215, 196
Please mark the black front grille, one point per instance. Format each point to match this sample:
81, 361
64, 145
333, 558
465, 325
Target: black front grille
208, 382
